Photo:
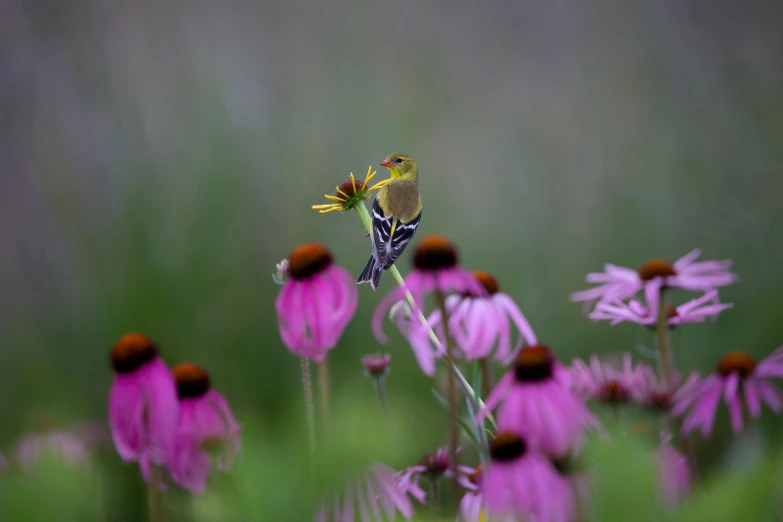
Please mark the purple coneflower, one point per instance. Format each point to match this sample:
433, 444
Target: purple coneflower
143, 404
521, 483
620, 282
59, 443
435, 269
433, 467
536, 403
694, 311
316, 303
479, 323
376, 365
471, 506
674, 473
206, 424
655, 394
603, 381
378, 496
741, 381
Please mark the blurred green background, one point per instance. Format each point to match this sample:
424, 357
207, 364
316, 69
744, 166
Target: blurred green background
158, 159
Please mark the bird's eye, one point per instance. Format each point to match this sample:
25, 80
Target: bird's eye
398, 160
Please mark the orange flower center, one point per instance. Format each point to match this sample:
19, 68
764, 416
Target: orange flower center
476, 475
192, 381
506, 447
488, 281
613, 392
656, 268
534, 363
434, 253
307, 260
736, 362
132, 351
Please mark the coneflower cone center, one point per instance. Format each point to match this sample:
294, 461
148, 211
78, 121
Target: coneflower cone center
434, 253
656, 268
488, 281
191, 380
347, 188
659, 400
476, 475
535, 363
307, 260
506, 447
436, 464
132, 351
736, 362
613, 392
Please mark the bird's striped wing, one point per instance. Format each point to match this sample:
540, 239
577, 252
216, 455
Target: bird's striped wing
390, 236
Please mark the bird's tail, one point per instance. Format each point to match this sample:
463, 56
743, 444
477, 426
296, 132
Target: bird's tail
371, 273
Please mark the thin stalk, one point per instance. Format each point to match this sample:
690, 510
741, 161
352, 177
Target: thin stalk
435, 498
486, 376
307, 386
381, 389
662, 336
323, 390
453, 397
153, 495
467, 390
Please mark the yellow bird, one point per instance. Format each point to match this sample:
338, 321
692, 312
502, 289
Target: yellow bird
396, 213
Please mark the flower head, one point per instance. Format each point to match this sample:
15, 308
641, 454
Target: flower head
435, 269
49, 438
481, 324
281, 272
471, 506
694, 311
537, 403
350, 193
620, 282
741, 381
206, 424
376, 366
519, 482
377, 496
143, 404
604, 381
656, 394
434, 466
316, 302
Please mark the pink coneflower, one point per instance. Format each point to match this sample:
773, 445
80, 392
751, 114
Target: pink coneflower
479, 323
206, 424
316, 303
694, 311
521, 483
674, 473
143, 404
620, 282
604, 381
740, 380
376, 497
58, 443
536, 403
471, 506
433, 467
655, 394
435, 269
376, 365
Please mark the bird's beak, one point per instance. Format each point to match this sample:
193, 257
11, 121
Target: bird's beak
386, 163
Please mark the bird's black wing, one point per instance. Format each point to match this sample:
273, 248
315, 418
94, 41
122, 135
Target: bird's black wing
401, 238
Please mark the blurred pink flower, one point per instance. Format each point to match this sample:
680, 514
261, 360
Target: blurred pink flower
61, 444
378, 496
316, 302
537, 404
435, 465
206, 424
674, 474
524, 484
653, 393
604, 381
471, 506
694, 311
620, 282
376, 365
143, 404
479, 323
435, 269
741, 381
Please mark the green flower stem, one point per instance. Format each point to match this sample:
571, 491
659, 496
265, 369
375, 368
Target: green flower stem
467, 390
662, 335
307, 386
153, 494
451, 385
